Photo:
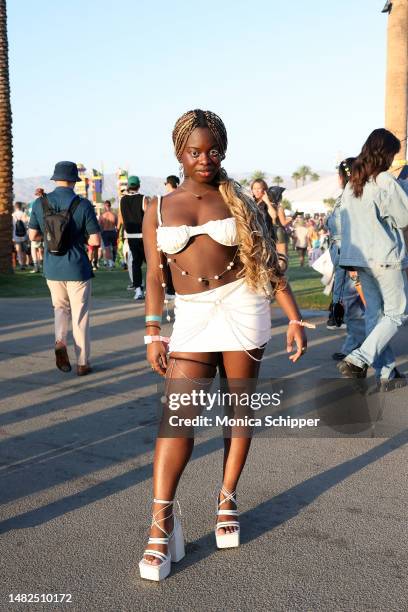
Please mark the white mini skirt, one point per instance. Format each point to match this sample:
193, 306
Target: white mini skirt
227, 318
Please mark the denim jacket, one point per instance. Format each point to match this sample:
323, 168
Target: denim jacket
333, 223
371, 226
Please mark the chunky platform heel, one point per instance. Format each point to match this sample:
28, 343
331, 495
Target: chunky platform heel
227, 540
174, 542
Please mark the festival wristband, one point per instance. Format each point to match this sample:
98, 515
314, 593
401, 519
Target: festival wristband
150, 339
302, 324
153, 318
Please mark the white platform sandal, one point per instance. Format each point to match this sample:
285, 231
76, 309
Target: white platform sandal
174, 541
227, 540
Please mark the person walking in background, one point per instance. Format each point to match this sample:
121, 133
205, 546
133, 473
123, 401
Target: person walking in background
301, 233
20, 236
131, 210
66, 265
313, 243
93, 254
271, 212
374, 212
108, 224
171, 184
279, 219
36, 246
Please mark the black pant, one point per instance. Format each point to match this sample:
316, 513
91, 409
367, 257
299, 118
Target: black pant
138, 257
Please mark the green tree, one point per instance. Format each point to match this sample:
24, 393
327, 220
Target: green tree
258, 175
244, 182
314, 177
6, 152
278, 180
286, 205
304, 172
296, 177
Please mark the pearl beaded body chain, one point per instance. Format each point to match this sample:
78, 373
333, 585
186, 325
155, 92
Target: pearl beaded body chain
200, 279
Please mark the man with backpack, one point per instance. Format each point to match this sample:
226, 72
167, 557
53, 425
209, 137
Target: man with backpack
67, 221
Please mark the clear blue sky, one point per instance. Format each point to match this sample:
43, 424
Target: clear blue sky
98, 80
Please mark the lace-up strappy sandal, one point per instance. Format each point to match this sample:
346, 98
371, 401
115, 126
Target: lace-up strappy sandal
174, 542
227, 540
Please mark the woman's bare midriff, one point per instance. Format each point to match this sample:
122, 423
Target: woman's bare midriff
203, 258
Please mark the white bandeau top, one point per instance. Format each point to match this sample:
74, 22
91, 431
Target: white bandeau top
173, 239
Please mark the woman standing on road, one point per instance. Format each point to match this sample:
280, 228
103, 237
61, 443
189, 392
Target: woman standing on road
269, 202
224, 266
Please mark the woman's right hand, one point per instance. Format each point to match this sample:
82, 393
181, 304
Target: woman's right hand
272, 209
157, 357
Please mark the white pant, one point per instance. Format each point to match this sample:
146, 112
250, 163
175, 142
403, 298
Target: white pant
71, 300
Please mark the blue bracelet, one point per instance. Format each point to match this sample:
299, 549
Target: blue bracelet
153, 318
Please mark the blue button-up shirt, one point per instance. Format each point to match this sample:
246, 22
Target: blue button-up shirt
371, 226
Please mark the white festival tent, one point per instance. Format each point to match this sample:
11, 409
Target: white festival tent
309, 198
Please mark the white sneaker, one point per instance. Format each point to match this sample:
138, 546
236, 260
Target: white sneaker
138, 294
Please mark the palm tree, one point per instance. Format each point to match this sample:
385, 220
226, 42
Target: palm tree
304, 172
244, 182
314, 177
296, 177
6, 154
258, 175
277, 180
396, 104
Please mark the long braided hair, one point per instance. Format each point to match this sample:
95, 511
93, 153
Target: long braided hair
257, 250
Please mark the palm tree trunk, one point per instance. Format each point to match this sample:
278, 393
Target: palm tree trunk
6, 153
396, 103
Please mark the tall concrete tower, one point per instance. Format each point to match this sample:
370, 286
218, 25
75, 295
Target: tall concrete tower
396, 102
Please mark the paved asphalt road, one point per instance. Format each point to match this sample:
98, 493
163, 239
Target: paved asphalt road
324, 520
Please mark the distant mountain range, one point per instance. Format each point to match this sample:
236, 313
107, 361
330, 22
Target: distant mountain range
150, 185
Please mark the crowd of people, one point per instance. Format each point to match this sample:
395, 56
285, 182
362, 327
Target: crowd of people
222, 253
119, 247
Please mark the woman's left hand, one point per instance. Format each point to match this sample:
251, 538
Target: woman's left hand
296, 337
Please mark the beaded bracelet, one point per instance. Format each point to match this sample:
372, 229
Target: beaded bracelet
303, 324
153, 318
150, 339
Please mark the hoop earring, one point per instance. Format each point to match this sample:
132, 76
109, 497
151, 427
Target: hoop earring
181, 173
